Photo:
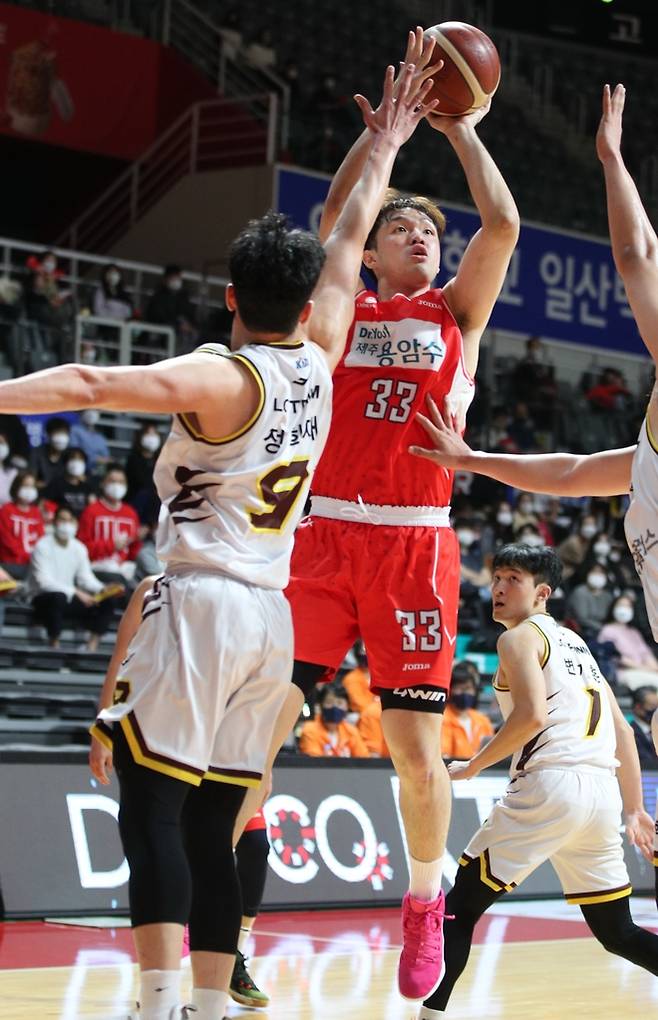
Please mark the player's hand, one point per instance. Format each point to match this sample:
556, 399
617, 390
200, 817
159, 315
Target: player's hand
448, 448
396, 118
449, 125
100, 761
608, 136
420, 51
84, 597
462, 770
639, 831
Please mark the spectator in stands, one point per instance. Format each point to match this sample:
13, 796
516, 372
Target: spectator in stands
530, 534
21, 525
170, 305
498, 436
111, 299
142, 494
637, 663
370, 728
7, 471
474, 573
71, 489
93, 443
464, 729
357, 682
599, 552
524, 512
645, 703
46, 301
12, 427
47, 460
146, 561
231, 30
260, 52
575, 548
110, 529
522, 428
610, 394
65, 588
534, 379
588, 604
329, 735
91, 354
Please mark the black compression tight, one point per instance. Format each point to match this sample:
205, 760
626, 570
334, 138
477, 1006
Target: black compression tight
251, 854
611, 923
178, 842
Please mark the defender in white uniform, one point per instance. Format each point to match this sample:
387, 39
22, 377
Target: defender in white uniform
567, 737
206, 673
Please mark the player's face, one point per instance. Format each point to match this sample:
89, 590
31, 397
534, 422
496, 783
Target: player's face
408, 250
514, 596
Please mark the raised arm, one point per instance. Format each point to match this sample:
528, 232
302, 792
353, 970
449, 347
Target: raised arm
472, 293
390, 126
519, 657
639, 825
607, 473
634, 242
419, 52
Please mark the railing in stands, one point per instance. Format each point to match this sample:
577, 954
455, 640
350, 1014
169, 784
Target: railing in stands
211, 135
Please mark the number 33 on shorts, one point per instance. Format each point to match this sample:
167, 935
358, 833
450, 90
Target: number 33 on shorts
421, 629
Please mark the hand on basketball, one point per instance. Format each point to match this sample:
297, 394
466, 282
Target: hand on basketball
420, 50
608, 136
100, 761
448, 125
448, 448
397, 117
462, 770
639, 831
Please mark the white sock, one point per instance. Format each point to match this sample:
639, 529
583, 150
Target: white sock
431, 1014
159, 993
242, 938
425, 879
210, 1004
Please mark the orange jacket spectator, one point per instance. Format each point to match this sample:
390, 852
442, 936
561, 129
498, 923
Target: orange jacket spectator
357, 685
370, 728
343, 742
462, 732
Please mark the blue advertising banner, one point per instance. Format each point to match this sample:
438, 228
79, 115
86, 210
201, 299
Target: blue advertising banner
560, 286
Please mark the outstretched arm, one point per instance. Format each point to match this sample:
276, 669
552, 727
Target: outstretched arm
634, 242
390, 125
607, 473
472, 293
419, 52
639, 824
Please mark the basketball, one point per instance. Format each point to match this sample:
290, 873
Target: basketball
471, 68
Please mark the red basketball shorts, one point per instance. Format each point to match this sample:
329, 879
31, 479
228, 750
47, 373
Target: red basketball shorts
395, 587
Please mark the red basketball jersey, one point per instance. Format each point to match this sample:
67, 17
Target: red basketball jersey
397, 353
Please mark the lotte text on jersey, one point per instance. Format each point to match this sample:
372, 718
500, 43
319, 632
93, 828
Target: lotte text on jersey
580, 730
232, 505
398, 352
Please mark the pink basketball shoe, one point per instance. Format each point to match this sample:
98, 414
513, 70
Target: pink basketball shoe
421, 966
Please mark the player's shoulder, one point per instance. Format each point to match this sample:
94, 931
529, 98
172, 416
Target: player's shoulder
525, 636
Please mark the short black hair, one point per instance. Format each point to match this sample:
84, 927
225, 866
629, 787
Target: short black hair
462, 673
640, 693
274, 268
57, 425
395, 202
334, 688
543, 563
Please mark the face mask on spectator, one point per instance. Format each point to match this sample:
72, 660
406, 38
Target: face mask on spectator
4, 451
595, 580
622, 614
150, 441
76, 467
88, 356
115, 491
90, 417
504, 517
463, 700
59, 440
602, 549
113, 278
175, 283
588, 530
28, 493
535, 541
65, 530
49, 265
335, 714
615, 555
465, 536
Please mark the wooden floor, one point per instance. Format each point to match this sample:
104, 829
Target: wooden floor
342, 967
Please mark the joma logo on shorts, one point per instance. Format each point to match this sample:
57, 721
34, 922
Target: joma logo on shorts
412, 692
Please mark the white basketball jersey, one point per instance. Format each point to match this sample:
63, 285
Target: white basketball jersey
580, 727
232, 505
641, 521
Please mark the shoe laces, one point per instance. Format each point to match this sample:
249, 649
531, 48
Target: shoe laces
422, 934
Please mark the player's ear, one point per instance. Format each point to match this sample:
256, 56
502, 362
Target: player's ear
370, 259
229, 297
544, 592
306, 311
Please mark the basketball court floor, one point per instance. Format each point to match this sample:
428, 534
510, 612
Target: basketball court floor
531, 959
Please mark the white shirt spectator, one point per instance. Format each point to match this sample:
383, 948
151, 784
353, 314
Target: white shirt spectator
56, 566
7, 475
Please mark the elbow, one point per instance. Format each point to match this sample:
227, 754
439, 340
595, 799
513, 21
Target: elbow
635, 254
536, 721
507, 225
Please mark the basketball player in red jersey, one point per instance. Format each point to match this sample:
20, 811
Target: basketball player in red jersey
377, 557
